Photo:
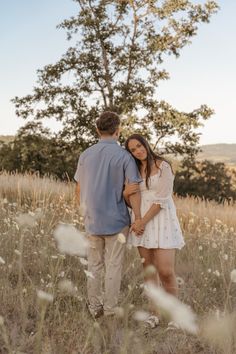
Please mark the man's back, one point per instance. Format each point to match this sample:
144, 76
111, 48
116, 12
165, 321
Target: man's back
101, 172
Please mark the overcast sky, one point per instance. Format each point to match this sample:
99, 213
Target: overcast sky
205, 73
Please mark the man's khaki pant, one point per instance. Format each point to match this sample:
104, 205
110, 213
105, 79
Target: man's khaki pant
108, 251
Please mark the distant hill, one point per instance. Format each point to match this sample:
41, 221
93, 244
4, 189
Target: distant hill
6, 138
215, 152
219, 153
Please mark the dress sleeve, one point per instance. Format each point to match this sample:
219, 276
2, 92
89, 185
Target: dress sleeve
164, 188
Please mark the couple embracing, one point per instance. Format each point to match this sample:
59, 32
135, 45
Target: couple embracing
110, 178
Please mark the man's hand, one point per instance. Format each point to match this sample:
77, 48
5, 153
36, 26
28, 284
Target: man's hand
138, 227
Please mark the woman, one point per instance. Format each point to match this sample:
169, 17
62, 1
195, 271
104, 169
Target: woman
157, 235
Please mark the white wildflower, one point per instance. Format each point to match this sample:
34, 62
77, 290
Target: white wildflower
42, 295
150, 270
233, 276
225, 257
67, 286
2, 260
178, 312
89, 274
141, 316
200, 248
121, 238
25, 220
70, 240
17, 252
180, 281
217, 273
218, 221
119, 312
83, 261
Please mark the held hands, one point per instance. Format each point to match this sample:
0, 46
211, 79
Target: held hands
138, 227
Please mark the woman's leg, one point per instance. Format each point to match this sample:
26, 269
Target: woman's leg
147, 256
164, 261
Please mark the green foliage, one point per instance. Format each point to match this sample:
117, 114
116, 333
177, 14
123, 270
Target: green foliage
34, 150
208, 180
115, 63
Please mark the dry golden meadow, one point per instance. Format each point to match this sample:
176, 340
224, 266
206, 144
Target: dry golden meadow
43, 292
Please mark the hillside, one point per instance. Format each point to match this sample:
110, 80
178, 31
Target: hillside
219, 153
6, 138
214, 152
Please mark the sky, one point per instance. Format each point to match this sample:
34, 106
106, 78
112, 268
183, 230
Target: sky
205, 72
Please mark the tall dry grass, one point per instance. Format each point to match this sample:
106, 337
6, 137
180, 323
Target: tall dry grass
43, 293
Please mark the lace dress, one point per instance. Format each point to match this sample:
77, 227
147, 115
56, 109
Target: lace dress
163, 230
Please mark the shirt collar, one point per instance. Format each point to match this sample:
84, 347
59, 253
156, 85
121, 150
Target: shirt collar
108, 141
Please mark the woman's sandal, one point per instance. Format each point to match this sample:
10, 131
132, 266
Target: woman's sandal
152, 321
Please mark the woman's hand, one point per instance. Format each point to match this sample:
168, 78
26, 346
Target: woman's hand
138, 227
130, 189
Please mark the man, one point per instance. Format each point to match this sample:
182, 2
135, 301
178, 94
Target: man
101, 174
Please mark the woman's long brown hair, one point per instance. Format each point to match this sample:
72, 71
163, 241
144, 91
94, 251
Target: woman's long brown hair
151, 155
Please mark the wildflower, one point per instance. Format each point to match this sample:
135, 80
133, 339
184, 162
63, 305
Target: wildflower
200, 248
180, 281
2, 261
142, 260
70, 240
149, 271
218, 221
67, 286
141, 316
25, 220
42, 295
225, 257
233, 276
17, 252
119, 312
83, 261
217, 273
121, 238
178, 312
89, 274
209, 270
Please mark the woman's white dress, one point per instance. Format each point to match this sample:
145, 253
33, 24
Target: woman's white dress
163, 230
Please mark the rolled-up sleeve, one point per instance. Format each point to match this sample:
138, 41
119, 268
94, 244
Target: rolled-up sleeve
132, 174
78, 170
165, 185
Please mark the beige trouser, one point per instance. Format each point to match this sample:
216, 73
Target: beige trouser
108, 251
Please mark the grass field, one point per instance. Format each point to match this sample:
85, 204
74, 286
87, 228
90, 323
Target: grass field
43, 292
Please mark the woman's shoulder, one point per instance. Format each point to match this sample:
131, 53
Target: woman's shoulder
160, 164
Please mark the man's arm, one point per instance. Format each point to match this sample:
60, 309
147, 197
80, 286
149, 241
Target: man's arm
135, 202
77, 193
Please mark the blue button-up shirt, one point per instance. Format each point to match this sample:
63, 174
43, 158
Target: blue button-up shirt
102, 171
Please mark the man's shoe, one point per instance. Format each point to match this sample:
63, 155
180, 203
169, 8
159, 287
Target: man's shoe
95, 312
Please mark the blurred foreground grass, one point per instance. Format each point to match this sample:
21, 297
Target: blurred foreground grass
34, 322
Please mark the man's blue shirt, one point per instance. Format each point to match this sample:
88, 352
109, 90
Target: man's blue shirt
102, 171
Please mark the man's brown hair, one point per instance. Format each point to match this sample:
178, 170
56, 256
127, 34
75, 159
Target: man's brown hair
108, 122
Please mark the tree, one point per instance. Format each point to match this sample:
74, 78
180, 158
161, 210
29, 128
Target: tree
205, 179
34, 150
116, 64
